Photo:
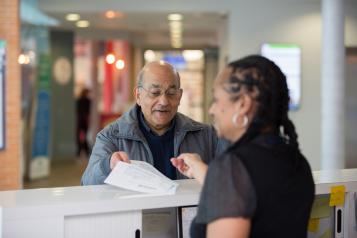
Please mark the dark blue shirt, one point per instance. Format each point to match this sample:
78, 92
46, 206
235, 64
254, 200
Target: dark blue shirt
162, 147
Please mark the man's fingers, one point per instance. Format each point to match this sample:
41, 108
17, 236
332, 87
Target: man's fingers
118, 156
123, 156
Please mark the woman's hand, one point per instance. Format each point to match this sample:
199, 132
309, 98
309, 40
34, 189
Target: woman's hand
191, 165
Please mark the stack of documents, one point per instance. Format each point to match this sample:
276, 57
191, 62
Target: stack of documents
142, 177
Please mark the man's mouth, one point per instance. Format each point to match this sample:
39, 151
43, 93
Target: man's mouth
161, 111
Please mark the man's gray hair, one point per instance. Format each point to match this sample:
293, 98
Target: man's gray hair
140, 78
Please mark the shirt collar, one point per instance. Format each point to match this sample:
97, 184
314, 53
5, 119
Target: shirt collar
146, 126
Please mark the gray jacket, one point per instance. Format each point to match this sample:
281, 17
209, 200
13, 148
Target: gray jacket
124, 135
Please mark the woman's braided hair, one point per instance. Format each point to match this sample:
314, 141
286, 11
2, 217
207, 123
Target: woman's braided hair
265, 82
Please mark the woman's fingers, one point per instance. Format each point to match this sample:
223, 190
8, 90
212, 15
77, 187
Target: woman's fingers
179, 164
192, 166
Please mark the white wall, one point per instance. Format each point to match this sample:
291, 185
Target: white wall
299, 23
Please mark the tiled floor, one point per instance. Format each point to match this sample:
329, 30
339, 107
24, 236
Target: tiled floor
63, 174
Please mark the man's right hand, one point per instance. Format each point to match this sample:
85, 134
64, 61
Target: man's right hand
118, 156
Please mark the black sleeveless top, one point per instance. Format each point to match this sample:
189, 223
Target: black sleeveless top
264, 180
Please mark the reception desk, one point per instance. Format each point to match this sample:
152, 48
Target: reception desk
85, 211
107, 211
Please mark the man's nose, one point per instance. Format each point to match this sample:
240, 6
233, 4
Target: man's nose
163, 100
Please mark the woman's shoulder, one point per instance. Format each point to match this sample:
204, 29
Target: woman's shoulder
229, 162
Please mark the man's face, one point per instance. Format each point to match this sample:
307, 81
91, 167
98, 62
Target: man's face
159, 96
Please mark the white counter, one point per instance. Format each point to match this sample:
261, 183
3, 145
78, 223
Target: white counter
56, 212
106, 211
327, 178
82, 200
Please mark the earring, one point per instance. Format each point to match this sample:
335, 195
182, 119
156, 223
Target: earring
235, 118
245, 121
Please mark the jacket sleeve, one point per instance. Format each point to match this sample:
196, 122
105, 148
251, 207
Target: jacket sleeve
99, 162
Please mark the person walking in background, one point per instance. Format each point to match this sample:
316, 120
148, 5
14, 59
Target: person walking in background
83, 105
261, 186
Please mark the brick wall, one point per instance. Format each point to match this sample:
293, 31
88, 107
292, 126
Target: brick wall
10, 157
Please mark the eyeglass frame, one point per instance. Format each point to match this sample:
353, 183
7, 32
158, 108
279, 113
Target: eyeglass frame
171, 96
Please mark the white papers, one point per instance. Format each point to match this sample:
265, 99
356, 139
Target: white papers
142, 177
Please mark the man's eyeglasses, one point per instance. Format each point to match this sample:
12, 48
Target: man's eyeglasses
158, 92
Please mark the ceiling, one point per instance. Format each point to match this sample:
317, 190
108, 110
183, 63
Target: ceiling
200, 29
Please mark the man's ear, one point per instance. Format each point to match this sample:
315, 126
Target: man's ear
180, 96
137, 95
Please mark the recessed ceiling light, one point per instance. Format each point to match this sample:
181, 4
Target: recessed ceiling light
120, 64
110, 14
175, 24
176, 31
73, 17
149, 55
110, 58
192, 55
176, 45
174, 17
82, 23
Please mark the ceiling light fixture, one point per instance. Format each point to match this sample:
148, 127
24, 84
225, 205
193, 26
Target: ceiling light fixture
175, 17
176, 28
176, 45
23, 59
192, 55
82, 24
73, 17
110, 58
110, 14
149, 55
120, 64
175, 24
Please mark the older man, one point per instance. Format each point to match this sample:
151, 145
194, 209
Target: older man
153, 130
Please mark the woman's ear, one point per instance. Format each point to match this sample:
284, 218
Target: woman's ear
244, 104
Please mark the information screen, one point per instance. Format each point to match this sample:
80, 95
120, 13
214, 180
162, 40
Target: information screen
288, 58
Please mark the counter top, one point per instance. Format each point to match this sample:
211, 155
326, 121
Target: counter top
324, 179
92, 199
79, 200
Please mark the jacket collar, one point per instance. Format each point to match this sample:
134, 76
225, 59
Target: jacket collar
128, 126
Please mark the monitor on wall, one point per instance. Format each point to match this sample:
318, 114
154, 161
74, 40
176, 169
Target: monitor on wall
288, 58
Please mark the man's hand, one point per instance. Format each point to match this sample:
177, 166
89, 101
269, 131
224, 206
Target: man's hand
118, 156
191, 165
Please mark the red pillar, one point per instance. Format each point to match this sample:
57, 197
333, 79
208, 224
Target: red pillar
108, 80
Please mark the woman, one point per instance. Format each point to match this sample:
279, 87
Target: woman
261, 186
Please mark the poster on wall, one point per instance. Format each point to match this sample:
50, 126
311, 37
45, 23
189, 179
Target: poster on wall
39, 164
288, 58
2, 93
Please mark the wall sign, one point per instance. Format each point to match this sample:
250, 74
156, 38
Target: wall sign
62, 70
2, 93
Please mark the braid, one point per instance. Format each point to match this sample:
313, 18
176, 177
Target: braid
289, 130
267, 85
